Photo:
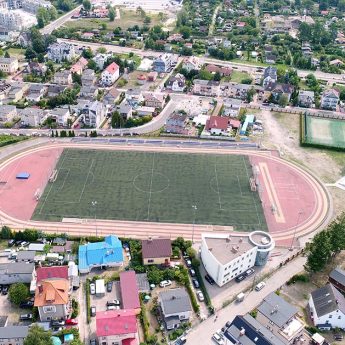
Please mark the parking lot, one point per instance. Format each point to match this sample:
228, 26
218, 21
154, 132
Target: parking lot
12, 312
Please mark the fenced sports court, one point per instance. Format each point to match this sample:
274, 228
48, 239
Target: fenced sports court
323, 131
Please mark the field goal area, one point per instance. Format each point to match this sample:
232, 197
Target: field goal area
154, 187
323, 131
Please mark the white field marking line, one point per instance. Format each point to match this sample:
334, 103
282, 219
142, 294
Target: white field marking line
256, 208
45, 200
64, 181
87, 177
219, 199
149, 203
239, 185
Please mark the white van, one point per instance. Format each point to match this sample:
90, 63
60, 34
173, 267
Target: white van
260, 286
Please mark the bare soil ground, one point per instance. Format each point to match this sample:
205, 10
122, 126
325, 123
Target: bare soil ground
282, 133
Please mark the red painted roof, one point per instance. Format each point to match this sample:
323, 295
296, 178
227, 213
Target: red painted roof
235, 123
112, 68
217, 122
130, 341
129, 290
116, 322
52, 272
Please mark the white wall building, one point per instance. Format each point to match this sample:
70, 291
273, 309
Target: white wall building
59, 52
110, 74
227, 256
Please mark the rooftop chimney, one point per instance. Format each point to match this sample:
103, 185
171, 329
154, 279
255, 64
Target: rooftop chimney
242, 331
40, 288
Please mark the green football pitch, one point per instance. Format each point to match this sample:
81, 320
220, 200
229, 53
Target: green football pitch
153, 186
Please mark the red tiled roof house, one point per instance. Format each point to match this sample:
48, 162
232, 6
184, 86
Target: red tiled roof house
129, 291
156, 251
217, 125
110, 74
117, 327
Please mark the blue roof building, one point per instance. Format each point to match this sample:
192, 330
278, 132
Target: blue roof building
100, 254
248, 121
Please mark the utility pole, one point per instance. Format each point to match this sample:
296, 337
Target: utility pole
94, 204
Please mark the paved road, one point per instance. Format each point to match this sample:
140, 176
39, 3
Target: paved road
48, 29
202, 333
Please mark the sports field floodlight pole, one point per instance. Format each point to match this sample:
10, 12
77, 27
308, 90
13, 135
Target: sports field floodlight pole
194, 208
94, 204
294, 233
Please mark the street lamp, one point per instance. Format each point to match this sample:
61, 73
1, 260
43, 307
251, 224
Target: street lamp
194, 209
94, 204
294, 233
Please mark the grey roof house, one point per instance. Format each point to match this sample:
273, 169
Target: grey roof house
26, 256
280, 317
175, 307
13, 335
16, 272
337, 278
306, 99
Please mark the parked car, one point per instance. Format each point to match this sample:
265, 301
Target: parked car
189, 263
209, 279
249, 272
165, 283
240, 278
26, 304
92, 288
192, 272
109, 286
113, 302
25, 317
260, 286
338, 337
11, 243
217, 338
200, 295
57, 323
113, 307
4, 290
93, 311
196, 283
72, 322
181, 341
93, 342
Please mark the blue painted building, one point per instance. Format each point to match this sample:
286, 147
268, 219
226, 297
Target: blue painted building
247, 123
108, 253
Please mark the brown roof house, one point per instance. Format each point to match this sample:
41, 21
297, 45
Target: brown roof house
52, 299
156, 251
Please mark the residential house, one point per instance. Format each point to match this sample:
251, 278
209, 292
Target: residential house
176, 124
35, 68
152, 76
7, 113
93, 114
31, 116
231, 107
163, 63
4, 90
154, 99
145, 111
217, 125
24, 39
306, 49
337, 279
59, 116
52, 299
191, 63
88, 92
59, 52
16, 272
306, 99
111, 96
134, 97
176, 83
63, 77
156, 251
270, 76
117, 327
13, 335
125, 110
330, 99
8, 65
52, 272
100, 254
327, 308
55, 90
101, 59
17, 92
79, 66
110, 74
129, 291
277, 90
209, 88
37, 247
281, 318
247, 330
175, 306
226, 257
88, 77
36, 92
25, 256
270, 58
223, 71
336, 62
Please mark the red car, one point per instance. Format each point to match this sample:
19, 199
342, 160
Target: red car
72, 322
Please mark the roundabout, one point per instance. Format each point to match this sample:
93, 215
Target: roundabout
294, 202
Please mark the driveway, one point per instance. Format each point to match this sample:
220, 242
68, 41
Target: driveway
204, 330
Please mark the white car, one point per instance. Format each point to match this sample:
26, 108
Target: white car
165, 283
92, 288
218, 338
260, 286
200, 295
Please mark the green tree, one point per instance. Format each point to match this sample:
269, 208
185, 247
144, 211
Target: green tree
191, 252
18, 293
337, 234
30, 53
76, 78
38, 336
250, 95
185, 31
217, 76
319, 252
117, 120
6, 233
283, 101
87, 5
7, 54
111, 14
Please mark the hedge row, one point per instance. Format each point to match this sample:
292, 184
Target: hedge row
144, 321
191, 293
88, 300
203, 288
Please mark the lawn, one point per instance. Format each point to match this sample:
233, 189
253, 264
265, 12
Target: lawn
10, 139
237, 76
158, 187
17, 53
127, 19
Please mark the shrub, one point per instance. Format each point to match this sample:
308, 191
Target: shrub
303, 278
75, 307
88, 300
18, 293
203, 287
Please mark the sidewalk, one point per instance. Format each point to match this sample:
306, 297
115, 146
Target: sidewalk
205, 330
